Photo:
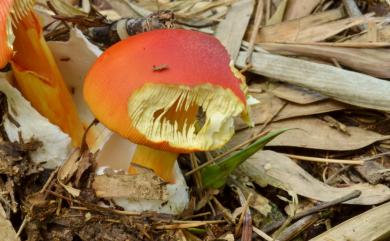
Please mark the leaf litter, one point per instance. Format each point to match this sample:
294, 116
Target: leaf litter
334, 113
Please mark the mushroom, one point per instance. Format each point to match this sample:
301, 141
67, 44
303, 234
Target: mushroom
10, 12
170, 91
5, 32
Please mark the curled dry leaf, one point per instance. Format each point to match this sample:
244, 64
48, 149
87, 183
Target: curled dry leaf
272, 168
55, 144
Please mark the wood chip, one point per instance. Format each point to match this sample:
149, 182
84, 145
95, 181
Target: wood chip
133, 187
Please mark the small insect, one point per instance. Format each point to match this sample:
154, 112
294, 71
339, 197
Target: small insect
160, 67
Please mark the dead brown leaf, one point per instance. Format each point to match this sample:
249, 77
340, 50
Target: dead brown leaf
272, 168
313, 133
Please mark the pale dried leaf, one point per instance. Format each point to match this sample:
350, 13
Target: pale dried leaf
345, 86
7, 231
66, 9
279, 13
370, 225
383, 35
327, 30
71, 190
262, 112
123, 9
231, 30
272, 168
375, 62
227, 237
289, 30
300, 8
310, 132
296, 94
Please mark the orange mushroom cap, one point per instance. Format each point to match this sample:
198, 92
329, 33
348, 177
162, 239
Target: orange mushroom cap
5, 32
11, 11
150, 87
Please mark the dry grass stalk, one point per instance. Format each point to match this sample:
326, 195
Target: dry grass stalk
325, 160
300, 8
288, 30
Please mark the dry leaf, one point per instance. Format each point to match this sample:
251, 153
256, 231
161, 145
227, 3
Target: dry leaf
279, 13
272, 168
7, 231
345, 86
289, 30
300, 8
296, 94
310, 132
383, 35
270, 105
370, 225
231, 30
71, 190
312, 33
375, 62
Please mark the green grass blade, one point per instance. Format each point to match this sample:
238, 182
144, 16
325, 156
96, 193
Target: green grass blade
215, 175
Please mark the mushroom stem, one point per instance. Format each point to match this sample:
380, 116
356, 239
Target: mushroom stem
161, 162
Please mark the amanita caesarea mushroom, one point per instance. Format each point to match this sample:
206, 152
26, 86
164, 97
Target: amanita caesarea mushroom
151, 88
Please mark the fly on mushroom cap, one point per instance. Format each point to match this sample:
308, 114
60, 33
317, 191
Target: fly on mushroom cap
150, 88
